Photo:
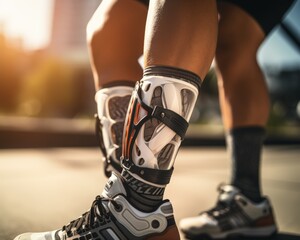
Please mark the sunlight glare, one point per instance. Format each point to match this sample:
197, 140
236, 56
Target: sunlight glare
28, 21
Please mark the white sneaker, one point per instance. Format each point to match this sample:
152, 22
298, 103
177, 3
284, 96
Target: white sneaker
234, 215
112, 217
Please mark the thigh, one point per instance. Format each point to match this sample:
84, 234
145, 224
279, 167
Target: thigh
239, 33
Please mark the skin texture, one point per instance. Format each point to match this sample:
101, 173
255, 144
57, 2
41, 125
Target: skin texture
243, 93
242, 102
115, 36
172, 38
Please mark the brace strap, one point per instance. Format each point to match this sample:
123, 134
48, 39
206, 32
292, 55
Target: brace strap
171, 119
157, 176
168, 117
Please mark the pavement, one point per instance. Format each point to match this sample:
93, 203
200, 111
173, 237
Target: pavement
43, 189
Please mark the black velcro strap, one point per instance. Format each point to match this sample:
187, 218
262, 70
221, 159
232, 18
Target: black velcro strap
157, 176
171, 119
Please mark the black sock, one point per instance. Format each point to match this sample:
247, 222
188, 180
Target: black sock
245, 146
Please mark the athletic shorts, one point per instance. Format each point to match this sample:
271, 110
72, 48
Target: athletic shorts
146, 2
268, 13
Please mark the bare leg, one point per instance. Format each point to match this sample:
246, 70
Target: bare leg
244, 104
115, 36
183, 35
243, 96
243, 93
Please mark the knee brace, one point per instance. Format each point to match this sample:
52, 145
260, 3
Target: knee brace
157, 119
112, 104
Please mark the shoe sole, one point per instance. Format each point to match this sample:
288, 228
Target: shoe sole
263, 233
171, 233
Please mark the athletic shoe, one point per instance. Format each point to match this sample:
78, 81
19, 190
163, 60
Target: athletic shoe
234, 215
112, 217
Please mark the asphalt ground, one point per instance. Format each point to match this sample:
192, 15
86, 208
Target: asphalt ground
43, 189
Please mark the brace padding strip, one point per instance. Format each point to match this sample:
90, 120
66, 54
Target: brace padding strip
173, 72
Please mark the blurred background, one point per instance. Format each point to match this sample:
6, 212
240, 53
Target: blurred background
46, 84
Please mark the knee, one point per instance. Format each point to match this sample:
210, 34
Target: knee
239, 75
92, 32
233, 62
98, 25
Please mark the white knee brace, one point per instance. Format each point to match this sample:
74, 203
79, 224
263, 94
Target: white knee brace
112, 104
157, 120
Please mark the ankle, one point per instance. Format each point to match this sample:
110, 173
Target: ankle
250, 191
143, 196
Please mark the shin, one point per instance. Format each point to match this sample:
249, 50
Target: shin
157, 119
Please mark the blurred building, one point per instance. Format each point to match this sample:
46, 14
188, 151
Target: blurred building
70, 18
68, 43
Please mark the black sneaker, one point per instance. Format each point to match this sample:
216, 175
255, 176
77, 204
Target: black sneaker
234, 216
112, 217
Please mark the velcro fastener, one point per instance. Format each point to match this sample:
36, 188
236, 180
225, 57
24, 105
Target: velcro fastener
171, 119
157, 176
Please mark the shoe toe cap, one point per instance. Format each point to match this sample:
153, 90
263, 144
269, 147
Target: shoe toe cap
37, 236
24, 236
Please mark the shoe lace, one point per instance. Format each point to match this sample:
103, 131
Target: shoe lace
96, 215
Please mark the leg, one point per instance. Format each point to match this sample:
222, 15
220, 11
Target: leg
243, 93
192, 25
115, 37
131, 205
244, 97
245, 108
164, 99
